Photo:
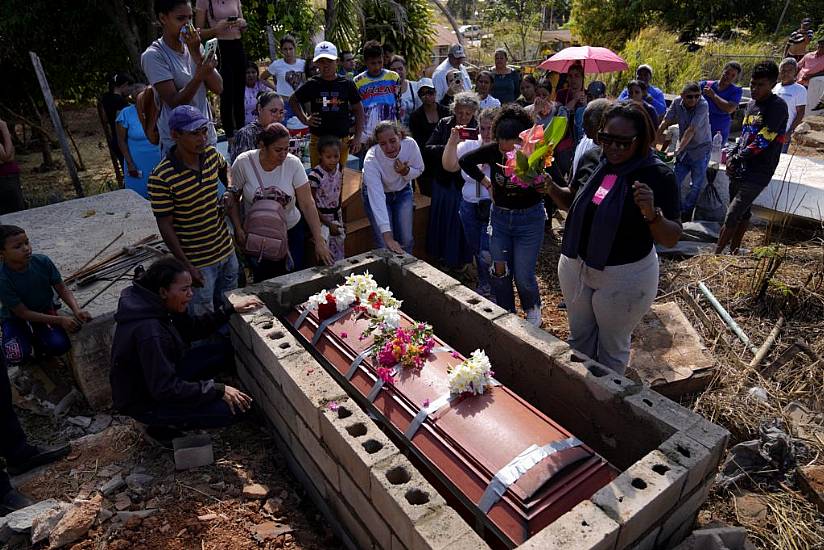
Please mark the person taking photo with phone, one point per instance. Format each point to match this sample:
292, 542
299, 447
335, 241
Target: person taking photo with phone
177, 69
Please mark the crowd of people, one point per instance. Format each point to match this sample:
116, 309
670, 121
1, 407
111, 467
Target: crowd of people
447, 136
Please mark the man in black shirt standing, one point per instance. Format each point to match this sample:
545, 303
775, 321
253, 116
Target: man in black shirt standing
331, 98
752, 163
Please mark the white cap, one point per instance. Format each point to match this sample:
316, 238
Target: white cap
426, 83
325, 50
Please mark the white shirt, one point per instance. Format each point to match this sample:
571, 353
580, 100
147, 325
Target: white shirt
490, 101
439, 79
287, 177
379, 177
794, 95
287, 77
586, 144
470, 189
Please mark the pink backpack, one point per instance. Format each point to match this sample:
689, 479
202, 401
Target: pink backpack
265, 225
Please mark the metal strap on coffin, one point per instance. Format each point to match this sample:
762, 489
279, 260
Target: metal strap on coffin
326, 323
379, 383
353, 368
432, 408
519, 466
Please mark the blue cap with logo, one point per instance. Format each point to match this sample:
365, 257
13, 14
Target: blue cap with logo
186, 118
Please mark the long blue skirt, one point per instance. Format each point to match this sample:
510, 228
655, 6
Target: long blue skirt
445, 239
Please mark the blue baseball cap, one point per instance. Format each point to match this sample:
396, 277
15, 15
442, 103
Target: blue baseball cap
185, 118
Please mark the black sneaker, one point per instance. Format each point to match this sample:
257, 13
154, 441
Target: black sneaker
161, 436
37, 456
13, 501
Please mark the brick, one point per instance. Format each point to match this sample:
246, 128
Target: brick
419, 279
691, 455
585, 526
465, 308
675, 539
446, 530
312, 471
271, 340
343, 512
685, 512
287, 291
711, 436
365, 511
402, 496
319, 454
356, 452
656, 412
375, 262
270, 399
642, 495
193, 451
307, 386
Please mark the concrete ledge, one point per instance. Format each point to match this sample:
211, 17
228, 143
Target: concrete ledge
585, 526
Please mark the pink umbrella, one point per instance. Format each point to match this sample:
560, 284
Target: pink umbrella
593, 58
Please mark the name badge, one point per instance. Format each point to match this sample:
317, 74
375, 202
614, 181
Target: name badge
607, 183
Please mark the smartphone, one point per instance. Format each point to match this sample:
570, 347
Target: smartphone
468, 133
211, 49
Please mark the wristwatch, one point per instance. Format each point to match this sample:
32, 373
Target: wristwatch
658, 214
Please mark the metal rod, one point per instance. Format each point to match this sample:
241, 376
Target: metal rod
726, 317
768, 343
101, 251
107, 287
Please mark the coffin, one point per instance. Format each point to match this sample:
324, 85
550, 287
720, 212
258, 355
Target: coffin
470, 445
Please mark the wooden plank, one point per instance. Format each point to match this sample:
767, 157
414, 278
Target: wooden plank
58, 126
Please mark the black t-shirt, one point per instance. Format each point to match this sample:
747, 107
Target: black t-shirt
633, 239
332, 100
763, 121
505, 193
433, 151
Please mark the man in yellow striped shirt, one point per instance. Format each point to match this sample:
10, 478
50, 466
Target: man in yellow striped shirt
183, 192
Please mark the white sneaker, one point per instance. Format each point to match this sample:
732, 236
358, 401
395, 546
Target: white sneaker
533, 316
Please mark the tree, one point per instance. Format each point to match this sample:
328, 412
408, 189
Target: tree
404, 24
525, 15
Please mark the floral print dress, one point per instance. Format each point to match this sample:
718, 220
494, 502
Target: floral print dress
327, 187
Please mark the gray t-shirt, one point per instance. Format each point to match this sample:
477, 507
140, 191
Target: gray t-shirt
161, 63
699, 117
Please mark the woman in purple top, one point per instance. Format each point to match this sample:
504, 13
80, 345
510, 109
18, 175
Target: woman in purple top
723, 97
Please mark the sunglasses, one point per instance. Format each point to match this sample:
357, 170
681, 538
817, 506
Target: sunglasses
619, 142
426, 91
692, 96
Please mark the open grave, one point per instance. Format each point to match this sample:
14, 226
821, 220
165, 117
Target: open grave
369, 480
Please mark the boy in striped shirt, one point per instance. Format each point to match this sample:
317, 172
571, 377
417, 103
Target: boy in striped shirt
183, 193
379, 90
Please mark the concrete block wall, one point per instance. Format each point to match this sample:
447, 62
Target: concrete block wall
668, 455
350, 467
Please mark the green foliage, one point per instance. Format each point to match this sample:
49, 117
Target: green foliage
522, 16
296, 18
674, 65
608, 23
781, 287
769, 251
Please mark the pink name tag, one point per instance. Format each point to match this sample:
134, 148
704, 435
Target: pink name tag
606, 185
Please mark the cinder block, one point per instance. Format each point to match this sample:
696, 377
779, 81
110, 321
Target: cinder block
446, 530
272, 341
585, 526
642, 495
711, 436
271, 399
676, 538
310, 468
465, 308
285, 292
262, 401
241, 322
307, 386
418, 279
402, 496
685, 512
355, 441
647, 542
319, 454
193, 451
654, 411
365, 511
691, 455
344, 513
375, 262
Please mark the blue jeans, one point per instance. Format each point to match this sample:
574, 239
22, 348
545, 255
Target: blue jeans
200, 363
517, 236
475, 230
19, 336
697, 168
401, 208
217, 279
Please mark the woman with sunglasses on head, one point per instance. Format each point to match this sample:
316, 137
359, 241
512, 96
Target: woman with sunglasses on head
409, 100
620, 203
270, 109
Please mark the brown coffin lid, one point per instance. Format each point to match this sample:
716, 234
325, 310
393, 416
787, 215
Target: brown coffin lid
492, 428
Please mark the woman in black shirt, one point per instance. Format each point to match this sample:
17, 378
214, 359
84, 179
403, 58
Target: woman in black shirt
620, 204
422, 123
445, 240
517, 218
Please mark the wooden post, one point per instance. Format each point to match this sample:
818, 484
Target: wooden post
58, 126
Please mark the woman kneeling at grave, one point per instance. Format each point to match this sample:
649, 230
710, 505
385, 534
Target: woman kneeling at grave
156, 377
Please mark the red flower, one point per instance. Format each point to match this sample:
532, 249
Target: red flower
328, 309
385, 374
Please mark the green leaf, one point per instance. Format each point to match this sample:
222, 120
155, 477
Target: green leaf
538, 155
555, 130
521, 163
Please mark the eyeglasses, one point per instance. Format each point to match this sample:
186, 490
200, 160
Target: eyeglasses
692, 96
619, 142
426, 91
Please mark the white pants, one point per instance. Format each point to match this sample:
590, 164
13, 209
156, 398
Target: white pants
604, 307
